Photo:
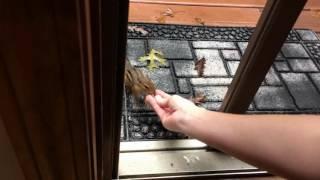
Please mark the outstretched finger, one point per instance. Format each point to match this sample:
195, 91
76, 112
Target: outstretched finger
163, 94
161, 112
163, 102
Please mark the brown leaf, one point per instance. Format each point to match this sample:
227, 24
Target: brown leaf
161, 19
200, 65
163, 15
199, 21
168, 12
137, 29
198, 99
315, 13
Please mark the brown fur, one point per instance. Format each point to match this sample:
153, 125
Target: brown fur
137, 83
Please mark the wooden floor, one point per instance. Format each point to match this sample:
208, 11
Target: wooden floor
215, 12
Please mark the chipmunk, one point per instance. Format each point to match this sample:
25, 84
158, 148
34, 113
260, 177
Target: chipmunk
137, 83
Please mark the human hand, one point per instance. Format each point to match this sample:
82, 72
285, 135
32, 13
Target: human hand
173, 111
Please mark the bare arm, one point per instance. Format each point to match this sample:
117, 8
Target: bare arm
287, 145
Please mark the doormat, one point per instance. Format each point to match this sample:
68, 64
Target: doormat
292, 85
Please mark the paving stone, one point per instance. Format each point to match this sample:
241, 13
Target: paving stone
214, 64
185, 69
213, 44
231, 54
210, 81
280, 57
303, 65
273, 98
307, 35
316, 79
243, 46
212, 93
135, 49
294, 50
282, 66
272, 77
162, 78
233, 66
212, 106
183, 85
303, 91
172, 49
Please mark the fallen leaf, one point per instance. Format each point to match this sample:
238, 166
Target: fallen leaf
137, 83
316, 13
153, 57
198, 99
199, 21
168, 12
137, 29
199, 66
161, 19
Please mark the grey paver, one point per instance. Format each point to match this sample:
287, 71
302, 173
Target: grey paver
272, 77
185, 69
135, 49
307, 35
231, 54
303, 91
210, 81
212, 93
213, 44
243, 46
294, 50
279, 57
172, 49
302, 65
183, 85
316, 79
162, 78
273, 98
214, 64
212, 106
282, 66
233, 66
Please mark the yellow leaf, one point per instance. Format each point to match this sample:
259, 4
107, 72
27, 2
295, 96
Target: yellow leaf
153, 58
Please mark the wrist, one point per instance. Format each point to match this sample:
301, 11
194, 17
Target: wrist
191, 119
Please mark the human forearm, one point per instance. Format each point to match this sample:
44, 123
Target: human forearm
273, 142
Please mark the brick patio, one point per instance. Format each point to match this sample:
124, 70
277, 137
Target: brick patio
291, 86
